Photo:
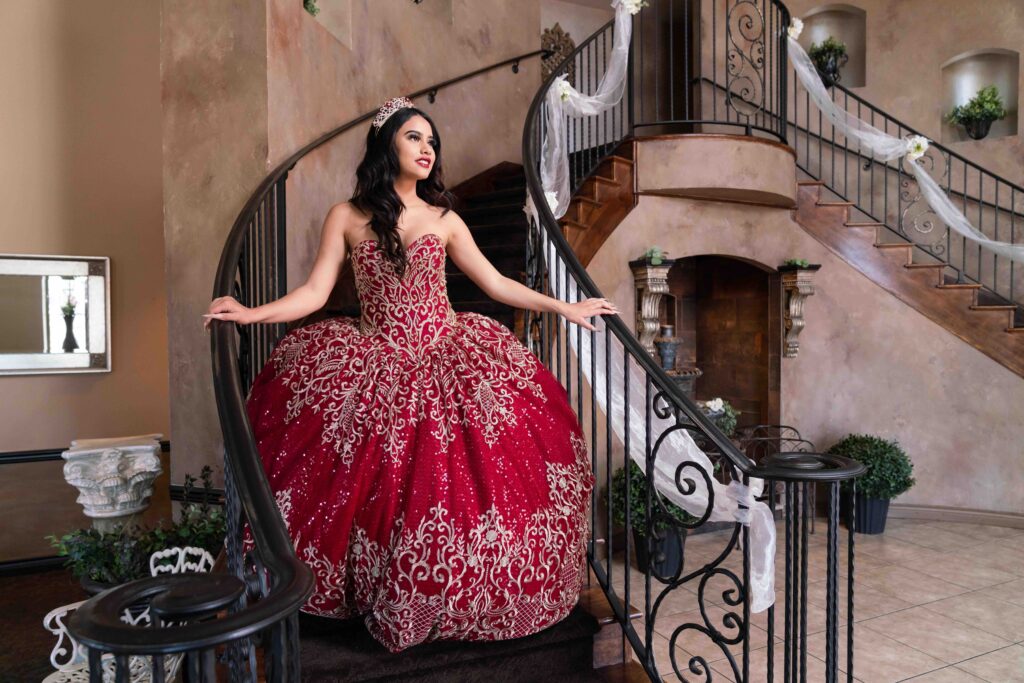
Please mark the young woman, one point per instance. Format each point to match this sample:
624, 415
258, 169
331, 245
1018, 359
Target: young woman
429, 468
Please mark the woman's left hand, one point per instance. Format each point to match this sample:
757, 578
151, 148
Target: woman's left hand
581, 310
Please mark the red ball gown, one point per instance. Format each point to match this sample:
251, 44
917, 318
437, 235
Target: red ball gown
429, 468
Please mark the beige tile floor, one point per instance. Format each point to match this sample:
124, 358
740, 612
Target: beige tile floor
935, 602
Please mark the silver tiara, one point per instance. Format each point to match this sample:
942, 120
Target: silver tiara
389, 108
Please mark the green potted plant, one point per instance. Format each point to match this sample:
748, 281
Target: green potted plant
310, 6
888, 475
668, 538
978, 114
828, 56
102, 560
655, 256
721, 413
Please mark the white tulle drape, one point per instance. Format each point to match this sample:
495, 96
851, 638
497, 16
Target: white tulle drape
885, 147
732, 503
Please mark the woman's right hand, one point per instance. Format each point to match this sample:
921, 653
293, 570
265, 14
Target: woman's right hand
227, 308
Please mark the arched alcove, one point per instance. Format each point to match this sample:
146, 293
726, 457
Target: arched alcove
964, 75
847, 24
727, 313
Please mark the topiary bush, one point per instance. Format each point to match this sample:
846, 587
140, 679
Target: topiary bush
889, 468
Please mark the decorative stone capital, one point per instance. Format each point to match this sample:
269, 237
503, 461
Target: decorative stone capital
114, 477
651, 283
797, 285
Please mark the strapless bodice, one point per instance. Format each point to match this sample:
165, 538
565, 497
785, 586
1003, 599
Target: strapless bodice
412, 312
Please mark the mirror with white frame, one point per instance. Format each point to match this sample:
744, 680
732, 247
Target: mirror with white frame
54, 314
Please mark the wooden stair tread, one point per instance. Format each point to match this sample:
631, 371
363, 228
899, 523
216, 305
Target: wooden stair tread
810, 182
961, 285
893, 245
595, 602
914, 266
993, 307
627, 672
585, 200
568, 222
621, 159
835, 203
602, 179
862, 224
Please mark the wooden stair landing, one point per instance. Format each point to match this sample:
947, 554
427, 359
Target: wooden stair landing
957, 307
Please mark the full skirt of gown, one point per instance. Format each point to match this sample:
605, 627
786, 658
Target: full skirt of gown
428, 467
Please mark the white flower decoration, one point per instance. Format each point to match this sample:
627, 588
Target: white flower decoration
715, 405
552, 198
564, 88
634, 6
796, 27
917, 145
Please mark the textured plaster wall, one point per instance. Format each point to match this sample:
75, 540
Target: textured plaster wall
248, 83
867, 362
316, 82
576, 19
907, 44
80, 175
213, 59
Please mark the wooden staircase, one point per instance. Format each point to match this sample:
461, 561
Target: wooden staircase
604, 199
965, 309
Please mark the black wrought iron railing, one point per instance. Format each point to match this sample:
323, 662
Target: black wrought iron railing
721, 575
218, 622
887, 193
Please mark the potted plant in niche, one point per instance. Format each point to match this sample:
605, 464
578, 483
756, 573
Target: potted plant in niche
978, 114
888, 475
668, 539
103, 560
828, 56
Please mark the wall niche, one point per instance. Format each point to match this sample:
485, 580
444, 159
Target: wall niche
727, 314
964, 75
847, 24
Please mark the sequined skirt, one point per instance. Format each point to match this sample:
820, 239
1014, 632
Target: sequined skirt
441, 492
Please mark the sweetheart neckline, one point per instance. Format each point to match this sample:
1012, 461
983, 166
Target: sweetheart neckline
407, 246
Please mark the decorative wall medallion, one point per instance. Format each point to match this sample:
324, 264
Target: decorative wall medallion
560, 45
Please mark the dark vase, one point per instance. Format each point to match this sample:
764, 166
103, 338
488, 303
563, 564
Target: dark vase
667, 349
828, 68
670, 548
978, 129
69, 339
870, 515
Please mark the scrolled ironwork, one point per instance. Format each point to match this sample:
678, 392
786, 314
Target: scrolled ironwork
917, 213
745, 58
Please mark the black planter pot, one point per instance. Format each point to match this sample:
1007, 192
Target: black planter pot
976, 130
870, 515
670, 548
829, 67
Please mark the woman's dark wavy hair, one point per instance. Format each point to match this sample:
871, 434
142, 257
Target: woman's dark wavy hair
375, 184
